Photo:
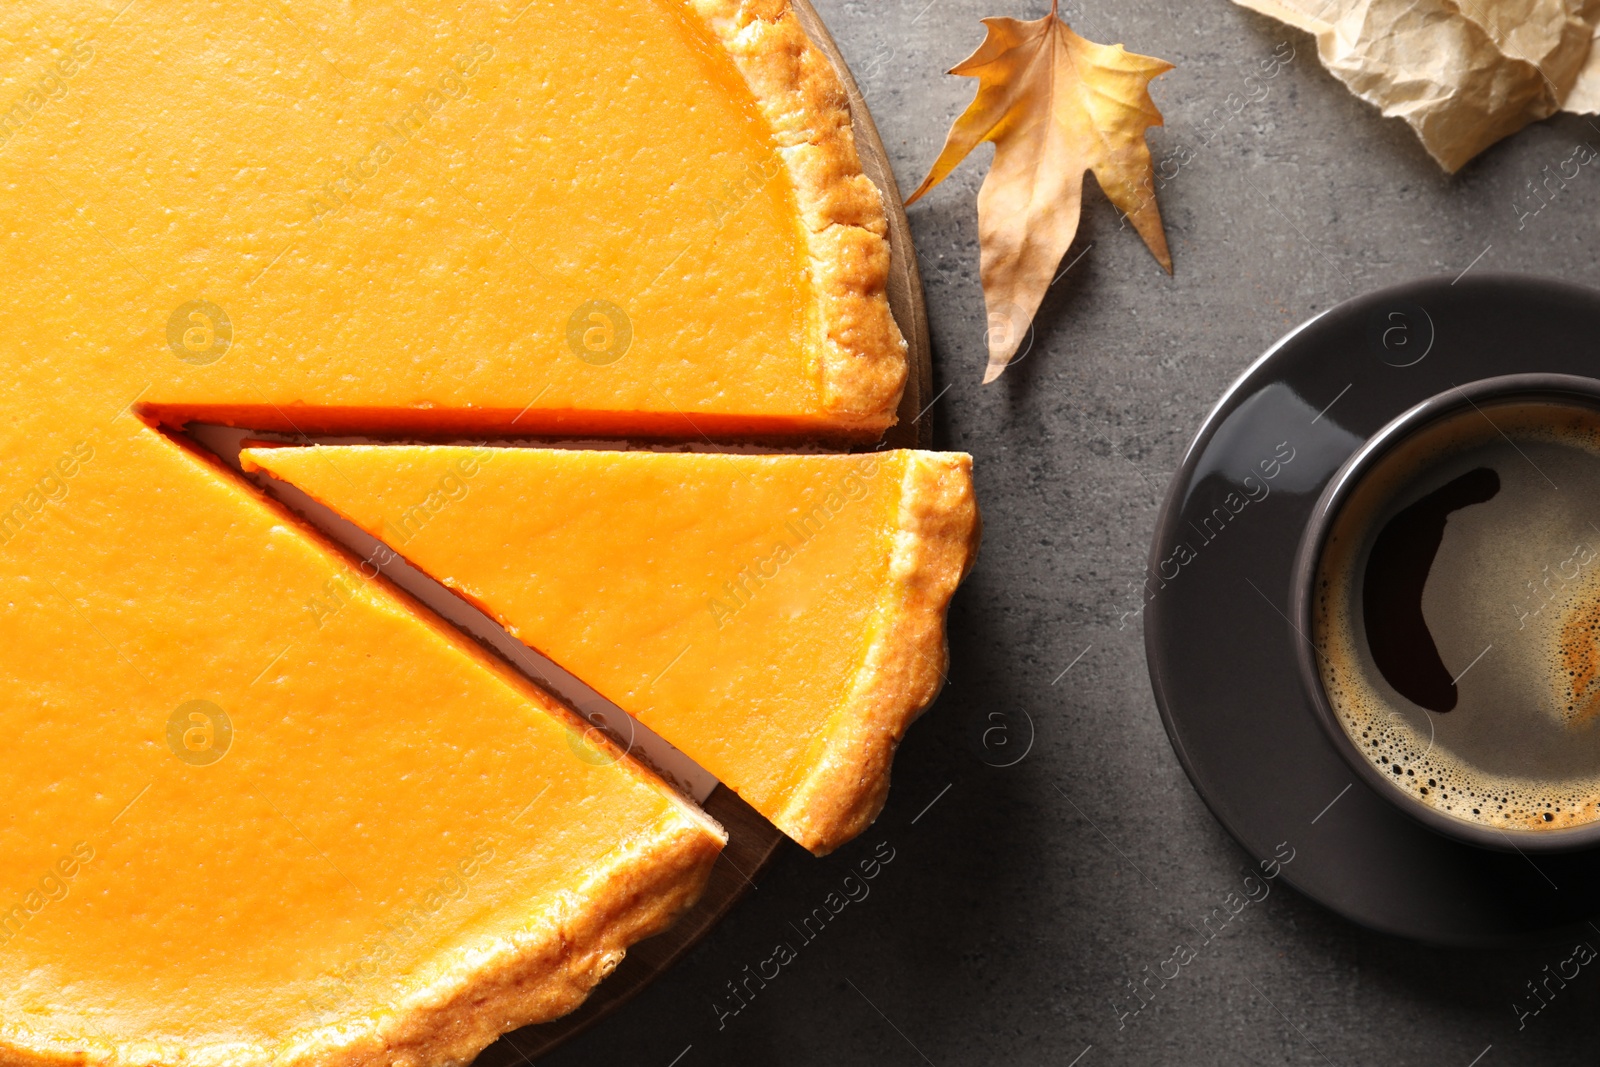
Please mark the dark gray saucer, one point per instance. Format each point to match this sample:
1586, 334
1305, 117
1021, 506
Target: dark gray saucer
1221, 648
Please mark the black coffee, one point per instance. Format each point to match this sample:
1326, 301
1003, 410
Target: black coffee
1457, 615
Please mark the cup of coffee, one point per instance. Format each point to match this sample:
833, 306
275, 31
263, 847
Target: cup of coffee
1448, 592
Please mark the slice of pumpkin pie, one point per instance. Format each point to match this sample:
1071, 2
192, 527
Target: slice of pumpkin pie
778, 618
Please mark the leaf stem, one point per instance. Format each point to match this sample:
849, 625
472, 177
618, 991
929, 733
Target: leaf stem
1053, 5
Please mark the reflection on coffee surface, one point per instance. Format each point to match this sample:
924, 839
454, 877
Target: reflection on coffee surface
1457, 615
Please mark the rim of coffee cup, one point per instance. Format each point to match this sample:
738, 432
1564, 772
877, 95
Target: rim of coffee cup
1586, 391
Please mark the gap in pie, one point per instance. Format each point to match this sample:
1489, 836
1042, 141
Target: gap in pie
373, 558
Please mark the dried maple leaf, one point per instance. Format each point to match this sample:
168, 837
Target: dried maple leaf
1055, 105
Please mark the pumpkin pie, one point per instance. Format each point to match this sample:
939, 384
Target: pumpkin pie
245, 829
778, 618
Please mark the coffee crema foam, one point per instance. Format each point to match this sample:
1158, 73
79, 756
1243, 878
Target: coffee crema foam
1512, 604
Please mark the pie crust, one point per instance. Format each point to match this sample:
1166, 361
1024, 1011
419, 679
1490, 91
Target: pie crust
863, 355
542, 975
935, 545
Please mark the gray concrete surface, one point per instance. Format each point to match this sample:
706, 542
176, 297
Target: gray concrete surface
1017, 905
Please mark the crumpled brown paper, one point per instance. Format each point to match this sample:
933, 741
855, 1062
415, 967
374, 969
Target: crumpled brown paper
1461, 73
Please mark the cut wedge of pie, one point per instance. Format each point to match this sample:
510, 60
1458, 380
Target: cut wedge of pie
778, 618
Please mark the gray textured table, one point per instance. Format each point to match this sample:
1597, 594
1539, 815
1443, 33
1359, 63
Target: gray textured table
1020, 900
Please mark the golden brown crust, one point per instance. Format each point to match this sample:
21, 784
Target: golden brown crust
935, 544
548, 970
861, 353
542, 973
